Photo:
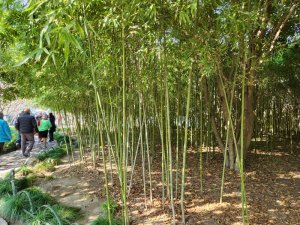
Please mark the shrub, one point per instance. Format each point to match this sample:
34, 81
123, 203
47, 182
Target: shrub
45, 166
38, 218
105, 221
60, 138
11, 146
13, 207
54, 154
39, 198
32, 206
66, 213
113, 207
53, 214
6, 185
24, 170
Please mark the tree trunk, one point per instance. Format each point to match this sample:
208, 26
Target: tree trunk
249, 117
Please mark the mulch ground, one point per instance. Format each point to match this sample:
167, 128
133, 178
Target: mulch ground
272, 184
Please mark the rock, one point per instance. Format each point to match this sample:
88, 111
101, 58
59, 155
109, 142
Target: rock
3, 222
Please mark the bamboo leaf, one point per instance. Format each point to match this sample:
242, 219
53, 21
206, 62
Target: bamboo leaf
36, 53
35, 7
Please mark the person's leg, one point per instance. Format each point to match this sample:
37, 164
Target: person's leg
44, 135
30, 138
51, 135
44, 142
18, 142
1, 146
19, 139
23, 143
40, 139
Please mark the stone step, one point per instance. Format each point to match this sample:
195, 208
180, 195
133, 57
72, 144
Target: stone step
3, 222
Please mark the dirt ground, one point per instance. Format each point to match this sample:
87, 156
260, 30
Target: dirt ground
272, 185
71, 186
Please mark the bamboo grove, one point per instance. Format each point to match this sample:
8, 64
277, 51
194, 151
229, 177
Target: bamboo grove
141, 81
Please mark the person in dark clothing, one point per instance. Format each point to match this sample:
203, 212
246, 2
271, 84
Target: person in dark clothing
53, 127
26, 125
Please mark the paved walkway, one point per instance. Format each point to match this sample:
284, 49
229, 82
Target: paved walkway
15, 159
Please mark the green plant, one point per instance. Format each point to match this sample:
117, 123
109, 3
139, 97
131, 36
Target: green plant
31, 176
50, 177
11, 146
42, 156
52, 161
54, 154
24, 170
13, 207
113, 207
38, 218
53, 214
6, 186
45, 166
38, 197
104, 221
66, 213
32, 206
61, 138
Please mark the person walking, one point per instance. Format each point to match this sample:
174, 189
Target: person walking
5, 134
38, 119
26, 125
53, 127
43, 127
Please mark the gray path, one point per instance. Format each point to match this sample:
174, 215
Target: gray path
15, 159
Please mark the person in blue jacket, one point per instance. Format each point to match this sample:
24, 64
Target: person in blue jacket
5, 134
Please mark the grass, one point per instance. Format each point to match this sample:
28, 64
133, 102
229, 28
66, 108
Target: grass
24, 170
113, 207
20, 184
46, 165
32, 206
12, 207
105, 221
48, 160
54, 154
39, 198
60, 138
53, 214
66, 213
11, 146
38, 218
50, 177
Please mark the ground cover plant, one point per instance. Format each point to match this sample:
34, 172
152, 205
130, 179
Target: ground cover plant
61, 138
54, 154
7, 188
108, 209
35, 207
20, 202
